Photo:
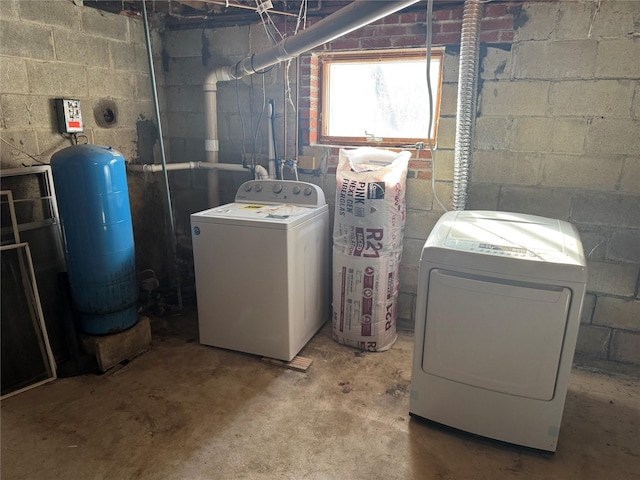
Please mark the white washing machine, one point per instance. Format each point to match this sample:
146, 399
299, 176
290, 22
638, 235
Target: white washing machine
261, 266
497, 317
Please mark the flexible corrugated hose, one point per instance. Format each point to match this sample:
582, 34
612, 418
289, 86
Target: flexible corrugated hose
466, 108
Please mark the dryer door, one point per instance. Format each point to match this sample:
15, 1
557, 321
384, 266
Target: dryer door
495, 334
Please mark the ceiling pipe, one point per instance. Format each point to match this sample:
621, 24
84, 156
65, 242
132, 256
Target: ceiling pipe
355, 15
347, 19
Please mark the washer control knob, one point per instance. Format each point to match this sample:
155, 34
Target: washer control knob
277, 187
247, 187
259, 187
296, 189
307, 191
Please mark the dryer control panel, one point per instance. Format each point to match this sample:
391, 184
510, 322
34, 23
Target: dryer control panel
508, 234
281, 191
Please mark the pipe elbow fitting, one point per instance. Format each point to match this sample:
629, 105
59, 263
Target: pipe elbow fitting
261, 172
219, 74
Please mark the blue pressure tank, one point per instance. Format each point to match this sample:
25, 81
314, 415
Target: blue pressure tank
93, 200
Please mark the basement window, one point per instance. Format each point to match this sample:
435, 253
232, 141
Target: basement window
378, 98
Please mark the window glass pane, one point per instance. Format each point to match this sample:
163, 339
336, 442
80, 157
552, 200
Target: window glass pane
388, 99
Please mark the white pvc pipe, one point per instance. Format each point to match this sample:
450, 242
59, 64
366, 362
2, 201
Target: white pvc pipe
261, 173
272, 153
230, 167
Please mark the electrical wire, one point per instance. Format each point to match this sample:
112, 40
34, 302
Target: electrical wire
72, 137
244, 150
301, 20
269, 23
266, 29
254, 133
430, 91
263, 72
302, 16
82, 136
264, 105
266, 23
287, 80
22, 151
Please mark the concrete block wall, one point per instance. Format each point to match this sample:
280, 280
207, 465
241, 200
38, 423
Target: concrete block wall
54, 49
557, 132
558, 135
191, 54
242, 113
423, 210
62, 49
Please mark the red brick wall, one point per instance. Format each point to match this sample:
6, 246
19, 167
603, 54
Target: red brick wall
401, 30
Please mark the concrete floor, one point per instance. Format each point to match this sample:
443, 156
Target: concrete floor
186, 411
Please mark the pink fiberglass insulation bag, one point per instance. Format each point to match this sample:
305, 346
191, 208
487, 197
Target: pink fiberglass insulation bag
367, 246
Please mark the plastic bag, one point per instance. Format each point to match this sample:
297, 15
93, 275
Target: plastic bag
367, 246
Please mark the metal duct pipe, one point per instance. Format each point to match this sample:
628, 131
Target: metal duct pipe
355, 15
466, 108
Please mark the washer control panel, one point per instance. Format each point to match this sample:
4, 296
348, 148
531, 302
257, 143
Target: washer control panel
281, 191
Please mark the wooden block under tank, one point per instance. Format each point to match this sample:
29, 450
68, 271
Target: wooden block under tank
110, 350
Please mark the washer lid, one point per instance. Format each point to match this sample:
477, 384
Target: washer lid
267, 216
507, 234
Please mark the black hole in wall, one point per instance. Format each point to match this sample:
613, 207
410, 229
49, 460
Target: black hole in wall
105, 113
109, 115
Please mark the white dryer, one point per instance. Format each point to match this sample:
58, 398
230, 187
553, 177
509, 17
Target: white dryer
261, 266
497, 317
